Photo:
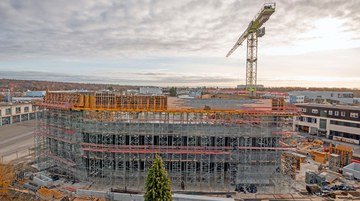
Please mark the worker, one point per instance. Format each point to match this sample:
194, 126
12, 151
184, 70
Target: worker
182, 185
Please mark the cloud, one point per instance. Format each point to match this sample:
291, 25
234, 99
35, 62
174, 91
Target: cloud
127, 28
133, 40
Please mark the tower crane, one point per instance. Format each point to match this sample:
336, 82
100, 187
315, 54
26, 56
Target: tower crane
252, 33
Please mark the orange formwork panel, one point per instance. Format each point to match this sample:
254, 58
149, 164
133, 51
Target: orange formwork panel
132, 103
100, 101
345, 152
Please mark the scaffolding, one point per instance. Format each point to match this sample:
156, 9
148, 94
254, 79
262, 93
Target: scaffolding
111, 139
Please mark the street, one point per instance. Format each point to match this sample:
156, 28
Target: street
16, 140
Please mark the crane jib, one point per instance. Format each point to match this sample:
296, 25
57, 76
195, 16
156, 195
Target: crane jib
260, 18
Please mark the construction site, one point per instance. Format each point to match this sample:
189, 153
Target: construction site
96, 143
99, 145
111, 139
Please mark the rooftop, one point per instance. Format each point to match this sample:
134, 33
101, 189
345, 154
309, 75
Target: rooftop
2, 104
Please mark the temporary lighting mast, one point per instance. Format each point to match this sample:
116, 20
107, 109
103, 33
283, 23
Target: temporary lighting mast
252, 33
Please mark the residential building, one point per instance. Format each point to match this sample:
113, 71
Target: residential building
11, 113
337, 122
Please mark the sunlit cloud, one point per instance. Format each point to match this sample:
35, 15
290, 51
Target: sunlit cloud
182, 41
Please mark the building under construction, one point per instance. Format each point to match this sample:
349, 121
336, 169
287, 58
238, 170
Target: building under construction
111, 139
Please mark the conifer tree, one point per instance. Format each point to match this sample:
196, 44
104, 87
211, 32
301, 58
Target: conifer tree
173, 92
158, 186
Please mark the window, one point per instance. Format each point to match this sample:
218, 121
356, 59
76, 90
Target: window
18, 110
7, 111
26, 109
336, 113
330, 112
352, 115
343, 114
343, 123
33, 108
304, 109
322, 124
314, 111
309, 120
0, 113
347, 95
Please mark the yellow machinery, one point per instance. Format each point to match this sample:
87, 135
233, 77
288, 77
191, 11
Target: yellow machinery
320, 157
345, 153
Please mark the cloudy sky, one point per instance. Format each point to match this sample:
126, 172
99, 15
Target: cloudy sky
179, 43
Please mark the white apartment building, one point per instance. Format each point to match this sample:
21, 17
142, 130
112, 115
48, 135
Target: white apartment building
11, 113
337, 122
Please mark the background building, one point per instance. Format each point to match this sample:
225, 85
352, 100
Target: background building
295, 99
11, 113
338, 122
150, 91
325, 96
35, 93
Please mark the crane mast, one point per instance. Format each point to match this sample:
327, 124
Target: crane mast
251, 34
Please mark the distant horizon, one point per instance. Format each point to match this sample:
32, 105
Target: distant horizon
167, 86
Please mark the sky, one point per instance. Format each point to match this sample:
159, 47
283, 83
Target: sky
308, 43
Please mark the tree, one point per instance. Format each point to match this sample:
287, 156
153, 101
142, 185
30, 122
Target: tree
173, 92
7, 176
158, 186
